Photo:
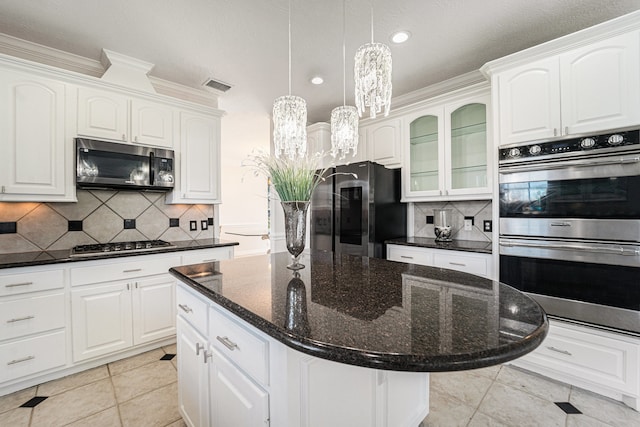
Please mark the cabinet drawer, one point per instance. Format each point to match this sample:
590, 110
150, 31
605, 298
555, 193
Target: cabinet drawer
32, 355
469, 264
592, 356
14, 284
32, 315
122, 269
207, 255
245, 349
192, 308
409, 254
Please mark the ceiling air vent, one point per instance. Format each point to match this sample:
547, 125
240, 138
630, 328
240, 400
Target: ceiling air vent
217, 85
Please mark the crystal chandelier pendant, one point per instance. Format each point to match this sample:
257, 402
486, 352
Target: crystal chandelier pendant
344, 131
289, 126
372, 74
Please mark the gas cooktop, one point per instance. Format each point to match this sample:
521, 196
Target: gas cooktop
119, 247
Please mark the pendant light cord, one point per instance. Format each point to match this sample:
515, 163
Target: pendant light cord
289, 17
371, 21
344, 61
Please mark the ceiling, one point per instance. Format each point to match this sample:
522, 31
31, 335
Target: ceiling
244, 42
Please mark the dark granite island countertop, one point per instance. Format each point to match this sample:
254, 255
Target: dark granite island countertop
375, 313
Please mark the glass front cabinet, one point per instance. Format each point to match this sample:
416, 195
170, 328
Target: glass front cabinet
447, 151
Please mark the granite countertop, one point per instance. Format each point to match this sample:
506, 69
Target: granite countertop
455, 245
375, 313
26, 259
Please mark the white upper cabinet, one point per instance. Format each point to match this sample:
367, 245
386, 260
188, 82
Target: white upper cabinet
384, 142
600, 85
151, 123
112, 116
199, 160
588, 89
34, 153
446, 151
103, 114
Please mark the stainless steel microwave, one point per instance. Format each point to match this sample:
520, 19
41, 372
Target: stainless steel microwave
101, 164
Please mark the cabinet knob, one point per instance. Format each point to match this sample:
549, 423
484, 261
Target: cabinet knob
227, 342
185, 308
135, 139
207, 355
124, 137
3, 189
566, 130
555, 131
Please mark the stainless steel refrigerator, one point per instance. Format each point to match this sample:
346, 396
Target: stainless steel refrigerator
356, 209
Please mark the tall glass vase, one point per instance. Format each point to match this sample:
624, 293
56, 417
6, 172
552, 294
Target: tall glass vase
295, 229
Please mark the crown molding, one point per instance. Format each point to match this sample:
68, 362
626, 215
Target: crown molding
587, 36
59, 59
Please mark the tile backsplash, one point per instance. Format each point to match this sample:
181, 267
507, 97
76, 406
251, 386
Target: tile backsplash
100, 216
480, 210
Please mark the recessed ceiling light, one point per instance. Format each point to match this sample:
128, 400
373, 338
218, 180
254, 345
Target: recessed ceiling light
400, 36
317, 80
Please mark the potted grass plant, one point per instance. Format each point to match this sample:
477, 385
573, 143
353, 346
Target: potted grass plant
294, 181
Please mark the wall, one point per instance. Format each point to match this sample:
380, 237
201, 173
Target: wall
244, 209
99, 217
480, 210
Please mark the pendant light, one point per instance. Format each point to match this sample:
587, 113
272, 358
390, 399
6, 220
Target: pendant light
290, 119
372, 74
344, 119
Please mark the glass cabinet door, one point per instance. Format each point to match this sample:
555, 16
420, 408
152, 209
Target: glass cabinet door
423, 154
469, 147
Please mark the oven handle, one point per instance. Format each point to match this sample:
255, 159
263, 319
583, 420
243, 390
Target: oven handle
567, 164
586, 248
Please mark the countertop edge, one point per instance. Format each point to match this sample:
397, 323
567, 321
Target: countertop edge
431, 244
376, 360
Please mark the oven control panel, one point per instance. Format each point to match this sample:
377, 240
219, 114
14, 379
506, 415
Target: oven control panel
585, 143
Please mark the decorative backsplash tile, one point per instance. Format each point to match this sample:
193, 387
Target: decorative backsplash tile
480, 210
99, 216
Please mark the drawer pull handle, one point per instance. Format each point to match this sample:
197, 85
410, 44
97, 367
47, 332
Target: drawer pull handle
206, 355
19, 319
133, 270
557, 350
406, 257
24, 359
185, 308
14, 285
458, 264
198, 348
227, 342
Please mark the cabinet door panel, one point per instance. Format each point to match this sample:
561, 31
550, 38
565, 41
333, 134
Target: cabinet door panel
154, 309
151, 123
193, 381
600, 85
200, 158
102, 114
32, 129
530, 102
384, 142
237, 400
101, 319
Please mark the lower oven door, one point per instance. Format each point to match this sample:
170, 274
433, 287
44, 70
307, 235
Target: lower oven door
590, 282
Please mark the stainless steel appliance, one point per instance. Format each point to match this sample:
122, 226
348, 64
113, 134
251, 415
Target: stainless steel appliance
570, 227
119, 247
101, 164
356, 209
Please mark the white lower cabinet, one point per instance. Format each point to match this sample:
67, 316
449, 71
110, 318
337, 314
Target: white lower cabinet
32, 323
604, 362
479, 264
251, 379
121, 303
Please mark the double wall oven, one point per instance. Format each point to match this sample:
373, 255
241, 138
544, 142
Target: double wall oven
570, 227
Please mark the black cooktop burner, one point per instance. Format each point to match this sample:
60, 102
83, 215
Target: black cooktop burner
107, 248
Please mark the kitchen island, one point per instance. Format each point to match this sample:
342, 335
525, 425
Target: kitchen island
345, 341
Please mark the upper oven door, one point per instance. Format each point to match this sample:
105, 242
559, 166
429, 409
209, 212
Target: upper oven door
589, 197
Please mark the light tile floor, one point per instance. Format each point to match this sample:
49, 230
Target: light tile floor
141, 391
